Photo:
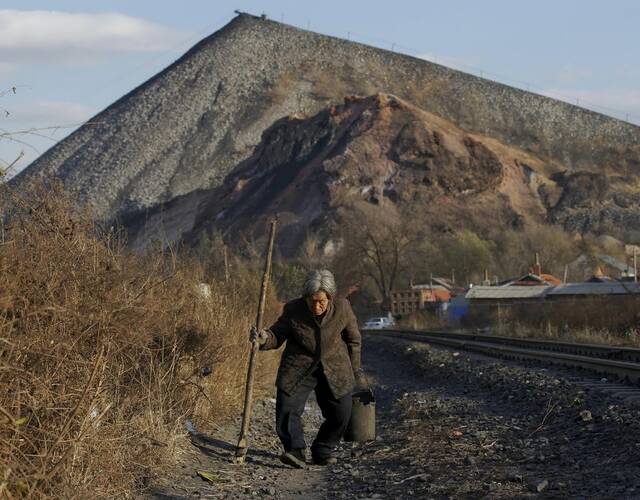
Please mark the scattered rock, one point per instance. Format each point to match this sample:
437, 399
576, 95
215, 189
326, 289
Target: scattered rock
539, 486
269, 491
478, 432
585, 416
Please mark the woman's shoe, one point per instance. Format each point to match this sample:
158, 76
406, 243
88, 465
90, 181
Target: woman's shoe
294, 458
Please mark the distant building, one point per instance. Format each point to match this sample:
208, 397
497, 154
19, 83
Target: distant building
506, 294
418, 297
538, 295
599, 277
586, 290
535, 277
613, 265
447, 283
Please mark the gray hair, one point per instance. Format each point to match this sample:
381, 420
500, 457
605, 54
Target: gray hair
320, 280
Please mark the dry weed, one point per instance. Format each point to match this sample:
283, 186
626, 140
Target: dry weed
612, 320
103, 353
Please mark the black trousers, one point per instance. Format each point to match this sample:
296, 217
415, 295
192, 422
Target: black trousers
289, 409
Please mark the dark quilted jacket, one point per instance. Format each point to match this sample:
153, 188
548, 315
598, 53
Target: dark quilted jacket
334, 341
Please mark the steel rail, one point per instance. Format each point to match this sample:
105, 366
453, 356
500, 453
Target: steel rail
586, 356
618, 353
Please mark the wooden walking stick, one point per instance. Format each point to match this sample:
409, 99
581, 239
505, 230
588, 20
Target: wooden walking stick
243, 440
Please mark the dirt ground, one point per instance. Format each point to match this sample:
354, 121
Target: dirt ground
450, 425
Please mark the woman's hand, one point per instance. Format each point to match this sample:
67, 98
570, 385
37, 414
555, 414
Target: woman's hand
361, 379
258, 336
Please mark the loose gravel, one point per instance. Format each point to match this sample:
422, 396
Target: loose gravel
450, 425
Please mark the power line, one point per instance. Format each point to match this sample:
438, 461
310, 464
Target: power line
494, 77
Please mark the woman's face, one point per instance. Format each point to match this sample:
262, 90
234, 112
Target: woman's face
318, 303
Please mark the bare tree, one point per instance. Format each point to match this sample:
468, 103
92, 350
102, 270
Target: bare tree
469, 254
376, 249
516, 250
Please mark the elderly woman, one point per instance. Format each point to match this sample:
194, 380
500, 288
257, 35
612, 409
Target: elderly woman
322, 355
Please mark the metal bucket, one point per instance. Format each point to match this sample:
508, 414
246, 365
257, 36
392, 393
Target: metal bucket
362, 425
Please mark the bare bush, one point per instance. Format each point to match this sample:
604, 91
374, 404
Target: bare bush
516, 249
103, 352
374, 250
579, 320
425, 319
464, 253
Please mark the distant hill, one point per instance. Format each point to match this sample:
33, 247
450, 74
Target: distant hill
168, 145
393, 157
379, 151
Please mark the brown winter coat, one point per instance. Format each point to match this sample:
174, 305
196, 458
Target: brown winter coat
334, 341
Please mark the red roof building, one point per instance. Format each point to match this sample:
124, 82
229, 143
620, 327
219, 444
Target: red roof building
418, 297
535, 277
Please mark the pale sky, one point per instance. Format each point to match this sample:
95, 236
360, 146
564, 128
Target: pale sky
69, 59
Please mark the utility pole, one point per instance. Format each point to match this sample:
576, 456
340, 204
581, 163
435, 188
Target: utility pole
566, 271
635, 264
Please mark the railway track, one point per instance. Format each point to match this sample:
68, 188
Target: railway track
622, 363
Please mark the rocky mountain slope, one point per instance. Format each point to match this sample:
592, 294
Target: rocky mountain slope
385, 153
183, 131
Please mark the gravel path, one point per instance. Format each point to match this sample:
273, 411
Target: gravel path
450, 425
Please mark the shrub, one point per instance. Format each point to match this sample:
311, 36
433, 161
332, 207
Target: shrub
103, 352
606, 320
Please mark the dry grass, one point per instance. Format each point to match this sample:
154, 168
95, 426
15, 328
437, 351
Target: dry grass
609, 320
422, 320
629, 337
102, 353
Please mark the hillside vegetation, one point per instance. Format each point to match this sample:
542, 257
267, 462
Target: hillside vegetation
104, 353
